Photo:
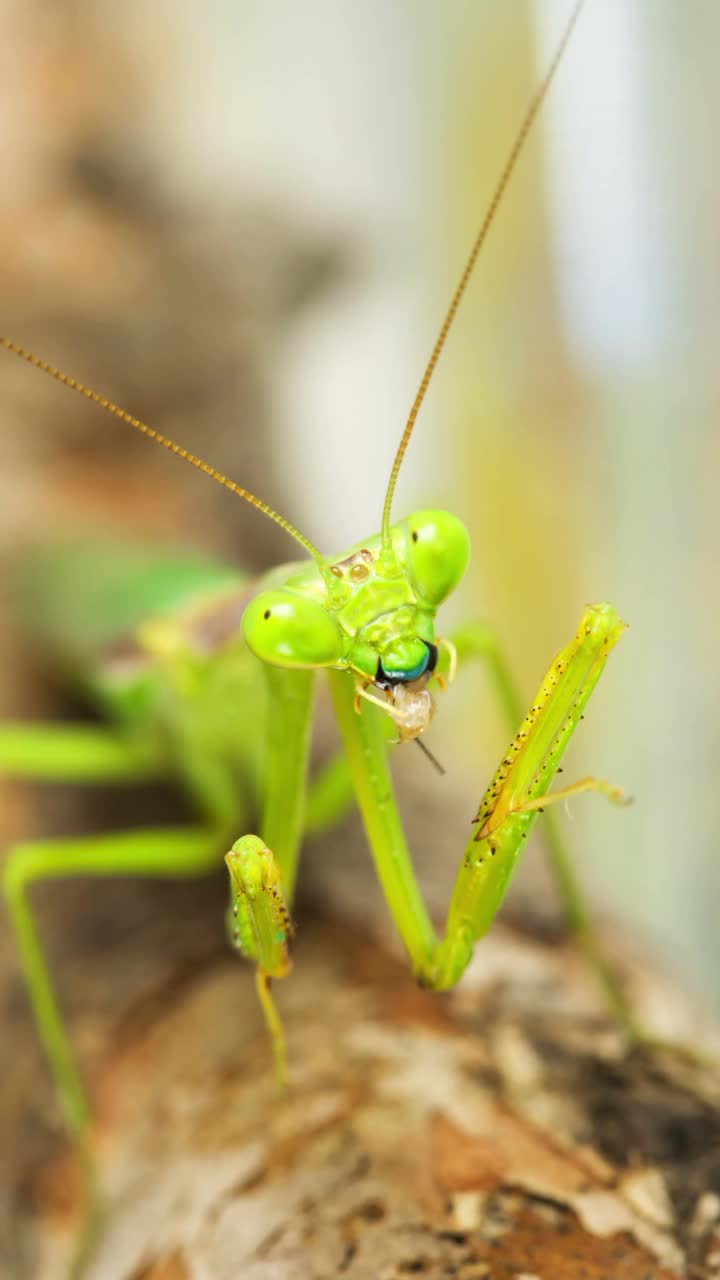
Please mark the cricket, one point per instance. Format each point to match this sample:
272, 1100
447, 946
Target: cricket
209, 681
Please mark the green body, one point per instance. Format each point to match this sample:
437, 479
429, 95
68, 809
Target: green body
207, 678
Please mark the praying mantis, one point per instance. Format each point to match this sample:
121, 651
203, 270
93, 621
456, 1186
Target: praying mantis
202, 653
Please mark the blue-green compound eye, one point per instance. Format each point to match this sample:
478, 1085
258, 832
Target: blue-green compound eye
396, 665
436, 553
289, 630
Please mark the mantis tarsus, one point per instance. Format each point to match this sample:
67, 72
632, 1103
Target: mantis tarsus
177, 690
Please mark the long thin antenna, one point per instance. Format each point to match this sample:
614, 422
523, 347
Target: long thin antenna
177, 449
520, 139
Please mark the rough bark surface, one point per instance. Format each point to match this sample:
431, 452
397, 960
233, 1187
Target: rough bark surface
502, 1131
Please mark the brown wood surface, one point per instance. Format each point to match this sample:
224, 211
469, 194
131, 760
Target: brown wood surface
503, 1130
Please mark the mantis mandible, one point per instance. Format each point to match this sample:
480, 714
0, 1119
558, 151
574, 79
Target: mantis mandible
206, 650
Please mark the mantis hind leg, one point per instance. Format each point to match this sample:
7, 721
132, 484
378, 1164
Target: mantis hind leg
156, 852
153, 852
479, 641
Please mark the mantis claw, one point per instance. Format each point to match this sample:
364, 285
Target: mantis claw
274, 1026
260, 928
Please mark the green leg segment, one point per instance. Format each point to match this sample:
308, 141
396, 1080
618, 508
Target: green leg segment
83, 754
330, 796
153, 852
74, 753
508, 809
262, 882
287, 739
331, 793
259, 927
479, 641
364, 738
259, 924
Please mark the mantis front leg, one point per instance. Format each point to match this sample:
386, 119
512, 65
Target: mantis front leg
262, 878
479, 641
507, 811
260, 928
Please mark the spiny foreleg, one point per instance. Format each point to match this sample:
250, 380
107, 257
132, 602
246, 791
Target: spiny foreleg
259, 926
518, 791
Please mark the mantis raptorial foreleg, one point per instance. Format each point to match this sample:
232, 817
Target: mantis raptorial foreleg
287, 744
259, 927
259, 923
479, 641
506, 814
261, 881
330, 796
87, 754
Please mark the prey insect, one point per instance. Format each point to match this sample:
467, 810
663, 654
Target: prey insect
209, 652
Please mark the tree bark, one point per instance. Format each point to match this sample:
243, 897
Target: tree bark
501, 1131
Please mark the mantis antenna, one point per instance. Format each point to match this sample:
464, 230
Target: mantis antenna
520, 139
179, 452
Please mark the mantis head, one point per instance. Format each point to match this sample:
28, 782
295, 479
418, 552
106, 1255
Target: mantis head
380, 622
371, 612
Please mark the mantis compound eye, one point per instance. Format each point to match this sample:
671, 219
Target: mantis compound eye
286, 629
397, 667
437, 549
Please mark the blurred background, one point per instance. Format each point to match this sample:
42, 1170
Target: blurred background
243, 222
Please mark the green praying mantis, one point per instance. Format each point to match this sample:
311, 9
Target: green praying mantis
197, 656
